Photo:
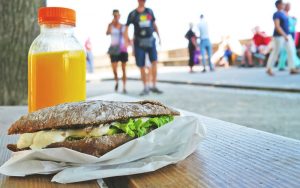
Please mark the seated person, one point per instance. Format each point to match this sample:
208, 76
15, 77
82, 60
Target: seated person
226, 60
247, 60
260, 45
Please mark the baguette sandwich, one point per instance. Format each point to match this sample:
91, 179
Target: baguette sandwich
93, 127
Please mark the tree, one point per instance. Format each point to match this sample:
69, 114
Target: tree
19, 27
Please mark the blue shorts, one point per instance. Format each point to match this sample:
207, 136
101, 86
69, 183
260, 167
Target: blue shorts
140, 54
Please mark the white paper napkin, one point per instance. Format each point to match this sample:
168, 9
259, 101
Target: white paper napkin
166, 145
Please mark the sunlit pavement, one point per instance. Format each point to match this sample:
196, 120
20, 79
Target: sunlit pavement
248, 78
274, 112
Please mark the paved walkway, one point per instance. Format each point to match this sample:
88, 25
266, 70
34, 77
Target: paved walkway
251, 78
244, 78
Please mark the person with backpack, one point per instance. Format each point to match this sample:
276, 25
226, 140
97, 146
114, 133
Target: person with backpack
117, 50
143, 20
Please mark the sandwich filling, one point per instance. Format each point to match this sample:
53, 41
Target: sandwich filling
134, 127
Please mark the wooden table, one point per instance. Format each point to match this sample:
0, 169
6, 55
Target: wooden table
230, 156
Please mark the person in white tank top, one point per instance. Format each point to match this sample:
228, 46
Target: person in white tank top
117, 50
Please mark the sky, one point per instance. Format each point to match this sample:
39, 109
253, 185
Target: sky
236, 18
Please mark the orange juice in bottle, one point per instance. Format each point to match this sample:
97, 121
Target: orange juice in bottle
56, 61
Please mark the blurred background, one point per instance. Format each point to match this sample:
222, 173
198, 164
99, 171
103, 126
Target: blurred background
248, 97
235, 18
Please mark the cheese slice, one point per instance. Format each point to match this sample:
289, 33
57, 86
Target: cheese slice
42, 139
25, 140
97, 132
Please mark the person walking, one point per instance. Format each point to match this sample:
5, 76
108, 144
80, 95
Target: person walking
292, 20
205, 44
283, 53
143, 20
117, 50
282, 38
192, 46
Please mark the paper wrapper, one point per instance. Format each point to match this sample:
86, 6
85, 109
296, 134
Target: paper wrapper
169, 144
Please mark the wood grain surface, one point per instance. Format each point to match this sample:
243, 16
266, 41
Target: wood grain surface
230, 156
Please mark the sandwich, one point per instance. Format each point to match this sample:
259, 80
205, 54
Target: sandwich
92, 127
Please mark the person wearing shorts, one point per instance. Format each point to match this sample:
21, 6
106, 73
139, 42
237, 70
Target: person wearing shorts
143, 20
117, 50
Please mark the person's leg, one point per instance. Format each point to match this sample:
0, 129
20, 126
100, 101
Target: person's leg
295, 56
153, 71
248, 54
260, 60
153, 58
114, 66
191, 58
277, 43
290, 49
140, 55
148, 69
148, 74
293, 34
124, 59
202, 50
282, 59
143, 77
88, 62
209, 52
248, 57
91, 58
297, 60
124, 77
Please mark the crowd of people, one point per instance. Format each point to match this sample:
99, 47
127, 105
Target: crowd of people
263, 49
280, 49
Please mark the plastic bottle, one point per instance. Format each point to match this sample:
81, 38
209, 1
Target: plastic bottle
56, 61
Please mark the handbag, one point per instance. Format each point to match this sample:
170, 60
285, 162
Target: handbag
196, 57
114, 50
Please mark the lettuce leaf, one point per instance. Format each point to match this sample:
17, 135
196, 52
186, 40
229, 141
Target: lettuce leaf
138, 127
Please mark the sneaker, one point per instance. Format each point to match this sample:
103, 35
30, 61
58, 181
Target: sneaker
155, 90
124, 91
144, 92
204, 70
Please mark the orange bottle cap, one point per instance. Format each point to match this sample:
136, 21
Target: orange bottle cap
57, 15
